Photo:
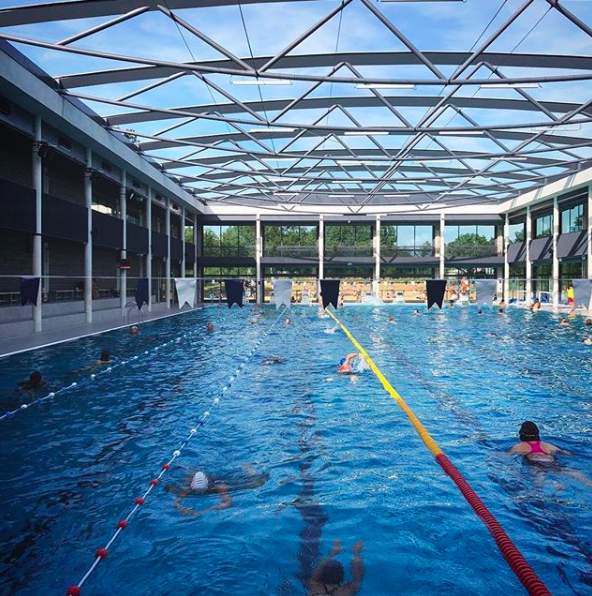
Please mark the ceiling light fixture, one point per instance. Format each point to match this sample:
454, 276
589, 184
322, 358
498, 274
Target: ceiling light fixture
341, 196
385, 86
365, 132
461, 132
279, 158
510, 158
277, 129
285, 194
395, 196
258, 81
510, 86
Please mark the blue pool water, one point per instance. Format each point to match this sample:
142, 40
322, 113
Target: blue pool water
343, 460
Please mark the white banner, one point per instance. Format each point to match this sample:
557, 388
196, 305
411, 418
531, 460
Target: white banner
486, 289
282, 292
186, 291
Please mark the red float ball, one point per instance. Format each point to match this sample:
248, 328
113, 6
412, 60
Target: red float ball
140, 501
154, 482
165, 466
101, 553
73, 591
122, 524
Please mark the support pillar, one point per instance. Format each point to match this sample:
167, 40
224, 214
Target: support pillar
197, 243
123, 209
183, 259
258, 253
168, 257
590, 232
88, 247
149, 255
37, 239
555, 257
528, 297
506, 293
376, 243
442, 246
321, 249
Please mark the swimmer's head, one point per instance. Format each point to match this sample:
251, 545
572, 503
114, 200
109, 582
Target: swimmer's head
134, 330
391, 318
35, 378
529, 431
500, 311
479, 312
105, 356
332, 573
588, 323
199, 483
342, 362
210, 326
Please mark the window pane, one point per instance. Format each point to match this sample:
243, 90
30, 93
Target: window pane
211, 241
332, 236
363, 235
406, 236
388, 236
272, 236
486, 232
308, 235
423, 236
290, 235
450, 234
518, 232
246, 236
348, 236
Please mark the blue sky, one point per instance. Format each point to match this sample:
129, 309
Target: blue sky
270, 27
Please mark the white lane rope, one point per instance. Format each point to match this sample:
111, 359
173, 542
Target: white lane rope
101, 553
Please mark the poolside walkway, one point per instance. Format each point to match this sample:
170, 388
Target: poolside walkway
44, 338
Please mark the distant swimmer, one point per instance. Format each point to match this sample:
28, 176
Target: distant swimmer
199, 484
564, 323
332, 329
35, 381
210, 326
328, 577
587, 341
588, 323
287, 321
416, 312
273, 360
536, 306
134, 330
104, 359
479, 312
542, 453
391, 320
501, 311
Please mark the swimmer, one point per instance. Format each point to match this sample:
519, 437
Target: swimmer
587, 341
541, 453
502, 303
588, 323
536, 306
345, 366
287, 322
564, 323
416, 312
479, 312
35, 381
273, 360
199, 483
104, 359
134, 330
333, 329
391, 320
328, 577
500, 311
210, 326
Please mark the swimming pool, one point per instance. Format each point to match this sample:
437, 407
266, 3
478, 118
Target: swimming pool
343, 461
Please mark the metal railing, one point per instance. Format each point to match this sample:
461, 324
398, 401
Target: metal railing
469, 251
292, 252
348, 251
229, 251
407, 251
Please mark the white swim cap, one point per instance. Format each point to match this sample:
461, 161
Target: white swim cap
199, 482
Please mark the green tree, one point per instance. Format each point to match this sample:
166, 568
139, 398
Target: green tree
469, 245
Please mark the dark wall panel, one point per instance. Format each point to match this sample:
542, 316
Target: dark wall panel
159, 244
137, 239
63, 219
176, 249
541, 249
107, 231
517, 252
17, 207
189, 252
574, 244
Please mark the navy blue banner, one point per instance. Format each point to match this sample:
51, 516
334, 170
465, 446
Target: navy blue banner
330, 292
234, 292
142, 293
29, 290
435, 289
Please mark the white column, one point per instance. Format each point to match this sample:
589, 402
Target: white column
168, 257
376, 243
88, 247
123, 209
555, 257
258, 253
590, 232
197, 249
183, 261
321, 249
37, 239
442, 246
506, 258
528, 297
149, 255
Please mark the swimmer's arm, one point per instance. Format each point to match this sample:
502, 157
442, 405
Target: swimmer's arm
357, 571
315, 579
225, 498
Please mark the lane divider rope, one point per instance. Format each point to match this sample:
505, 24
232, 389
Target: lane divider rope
122, 524
516, 561
86, 381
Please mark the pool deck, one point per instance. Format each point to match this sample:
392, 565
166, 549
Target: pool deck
42, 339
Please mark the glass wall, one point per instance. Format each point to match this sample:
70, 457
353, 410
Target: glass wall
466, 241
229, 241
304, 287
356, 282
290, 241
517, 285
542, 282
569, 270
573, 218
543, 225
213, 284
518, 231
406, 241
352, 240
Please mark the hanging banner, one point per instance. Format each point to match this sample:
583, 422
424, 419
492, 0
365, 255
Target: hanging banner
435, 289
486, 289
234, 292
330, 292
30, 290
186, 291
142, 292
582, 293
282, 292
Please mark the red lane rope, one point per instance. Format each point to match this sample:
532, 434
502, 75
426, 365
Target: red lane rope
514, 558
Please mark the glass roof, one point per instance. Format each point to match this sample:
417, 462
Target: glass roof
353, 103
